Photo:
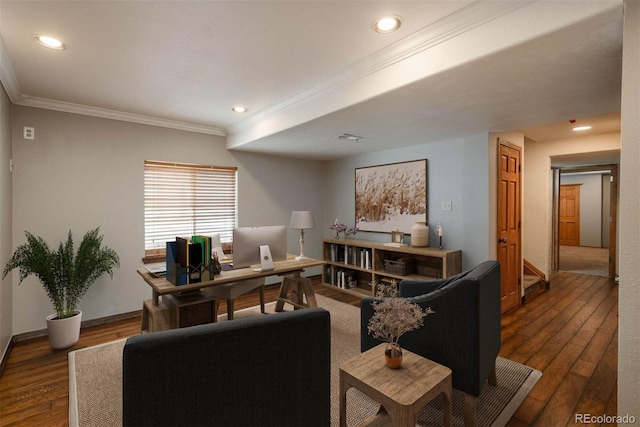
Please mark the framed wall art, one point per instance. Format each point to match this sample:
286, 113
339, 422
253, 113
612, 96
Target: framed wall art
391, 197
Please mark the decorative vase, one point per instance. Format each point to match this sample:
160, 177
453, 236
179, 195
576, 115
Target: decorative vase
420, 234
393, 355
63, 333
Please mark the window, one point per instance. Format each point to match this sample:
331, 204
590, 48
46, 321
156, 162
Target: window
185, 200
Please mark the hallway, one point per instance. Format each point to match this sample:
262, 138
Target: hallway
584, 260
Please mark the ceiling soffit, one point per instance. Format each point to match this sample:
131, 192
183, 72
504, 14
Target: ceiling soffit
363, 80
475, 31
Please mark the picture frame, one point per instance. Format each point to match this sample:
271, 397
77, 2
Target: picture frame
397, 237
391, 197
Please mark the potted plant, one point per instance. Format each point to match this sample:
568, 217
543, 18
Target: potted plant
66, 276
392, 318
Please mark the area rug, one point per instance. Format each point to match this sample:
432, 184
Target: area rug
95, 380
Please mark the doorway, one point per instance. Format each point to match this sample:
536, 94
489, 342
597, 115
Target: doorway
585, 203
508, 224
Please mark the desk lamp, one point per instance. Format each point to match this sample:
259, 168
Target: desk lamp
302, 220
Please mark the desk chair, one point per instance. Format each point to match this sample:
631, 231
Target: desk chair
232, 291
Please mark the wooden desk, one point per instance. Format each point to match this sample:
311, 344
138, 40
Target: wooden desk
154, 318
402, 392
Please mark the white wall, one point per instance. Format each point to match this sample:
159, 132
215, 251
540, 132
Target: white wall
537, 185
629, 249
457, 170
6, 323
590, 207
82, 172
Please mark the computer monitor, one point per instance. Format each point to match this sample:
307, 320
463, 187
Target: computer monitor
247, 242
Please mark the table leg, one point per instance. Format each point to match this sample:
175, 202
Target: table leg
282, 297
156, 298
155, 317
216, 305
296, 293
144, 327
402, 416
300, 287
447, 407
343, 403
309, 293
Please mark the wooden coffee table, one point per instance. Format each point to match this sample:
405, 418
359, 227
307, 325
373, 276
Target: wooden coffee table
402, 392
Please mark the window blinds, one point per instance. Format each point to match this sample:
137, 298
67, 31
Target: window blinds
187, 199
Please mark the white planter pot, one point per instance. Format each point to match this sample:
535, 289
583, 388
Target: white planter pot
63, 333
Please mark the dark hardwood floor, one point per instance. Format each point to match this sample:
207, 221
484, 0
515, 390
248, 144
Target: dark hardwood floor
569, 333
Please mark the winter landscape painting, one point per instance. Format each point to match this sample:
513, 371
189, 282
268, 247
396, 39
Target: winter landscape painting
391, 197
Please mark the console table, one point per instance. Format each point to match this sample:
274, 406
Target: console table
158, 315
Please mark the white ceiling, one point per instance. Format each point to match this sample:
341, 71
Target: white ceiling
310, 70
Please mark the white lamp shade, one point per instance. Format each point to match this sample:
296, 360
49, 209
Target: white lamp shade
302, 220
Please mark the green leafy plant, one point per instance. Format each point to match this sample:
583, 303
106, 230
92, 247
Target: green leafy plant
65, 275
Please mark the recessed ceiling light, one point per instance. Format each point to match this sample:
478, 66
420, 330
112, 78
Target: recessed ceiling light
239, 109
579, 128
387, 24
49, 42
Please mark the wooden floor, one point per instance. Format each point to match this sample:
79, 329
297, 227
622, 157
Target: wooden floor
569, 333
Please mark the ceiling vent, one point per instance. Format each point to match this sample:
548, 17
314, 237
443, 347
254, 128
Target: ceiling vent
349, 137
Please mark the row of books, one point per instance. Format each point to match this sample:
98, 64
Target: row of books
342, 278
351, 255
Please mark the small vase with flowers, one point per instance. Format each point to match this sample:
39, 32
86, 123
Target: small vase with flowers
392, 318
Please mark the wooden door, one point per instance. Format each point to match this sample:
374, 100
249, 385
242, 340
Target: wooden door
569, 216
509, 224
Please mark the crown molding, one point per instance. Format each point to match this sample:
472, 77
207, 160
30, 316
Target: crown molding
459, 22
11, 86
7, 76
68, 107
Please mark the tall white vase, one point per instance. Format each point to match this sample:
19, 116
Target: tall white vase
63, 333
420, 234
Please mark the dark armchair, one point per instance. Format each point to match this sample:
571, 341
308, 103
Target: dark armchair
464, 332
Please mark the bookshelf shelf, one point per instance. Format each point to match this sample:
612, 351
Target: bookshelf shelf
352, 265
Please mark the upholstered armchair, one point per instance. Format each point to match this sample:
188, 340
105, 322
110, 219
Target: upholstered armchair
464, 332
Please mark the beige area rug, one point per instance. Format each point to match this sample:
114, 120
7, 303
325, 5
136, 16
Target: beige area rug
95, 377
584, 260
